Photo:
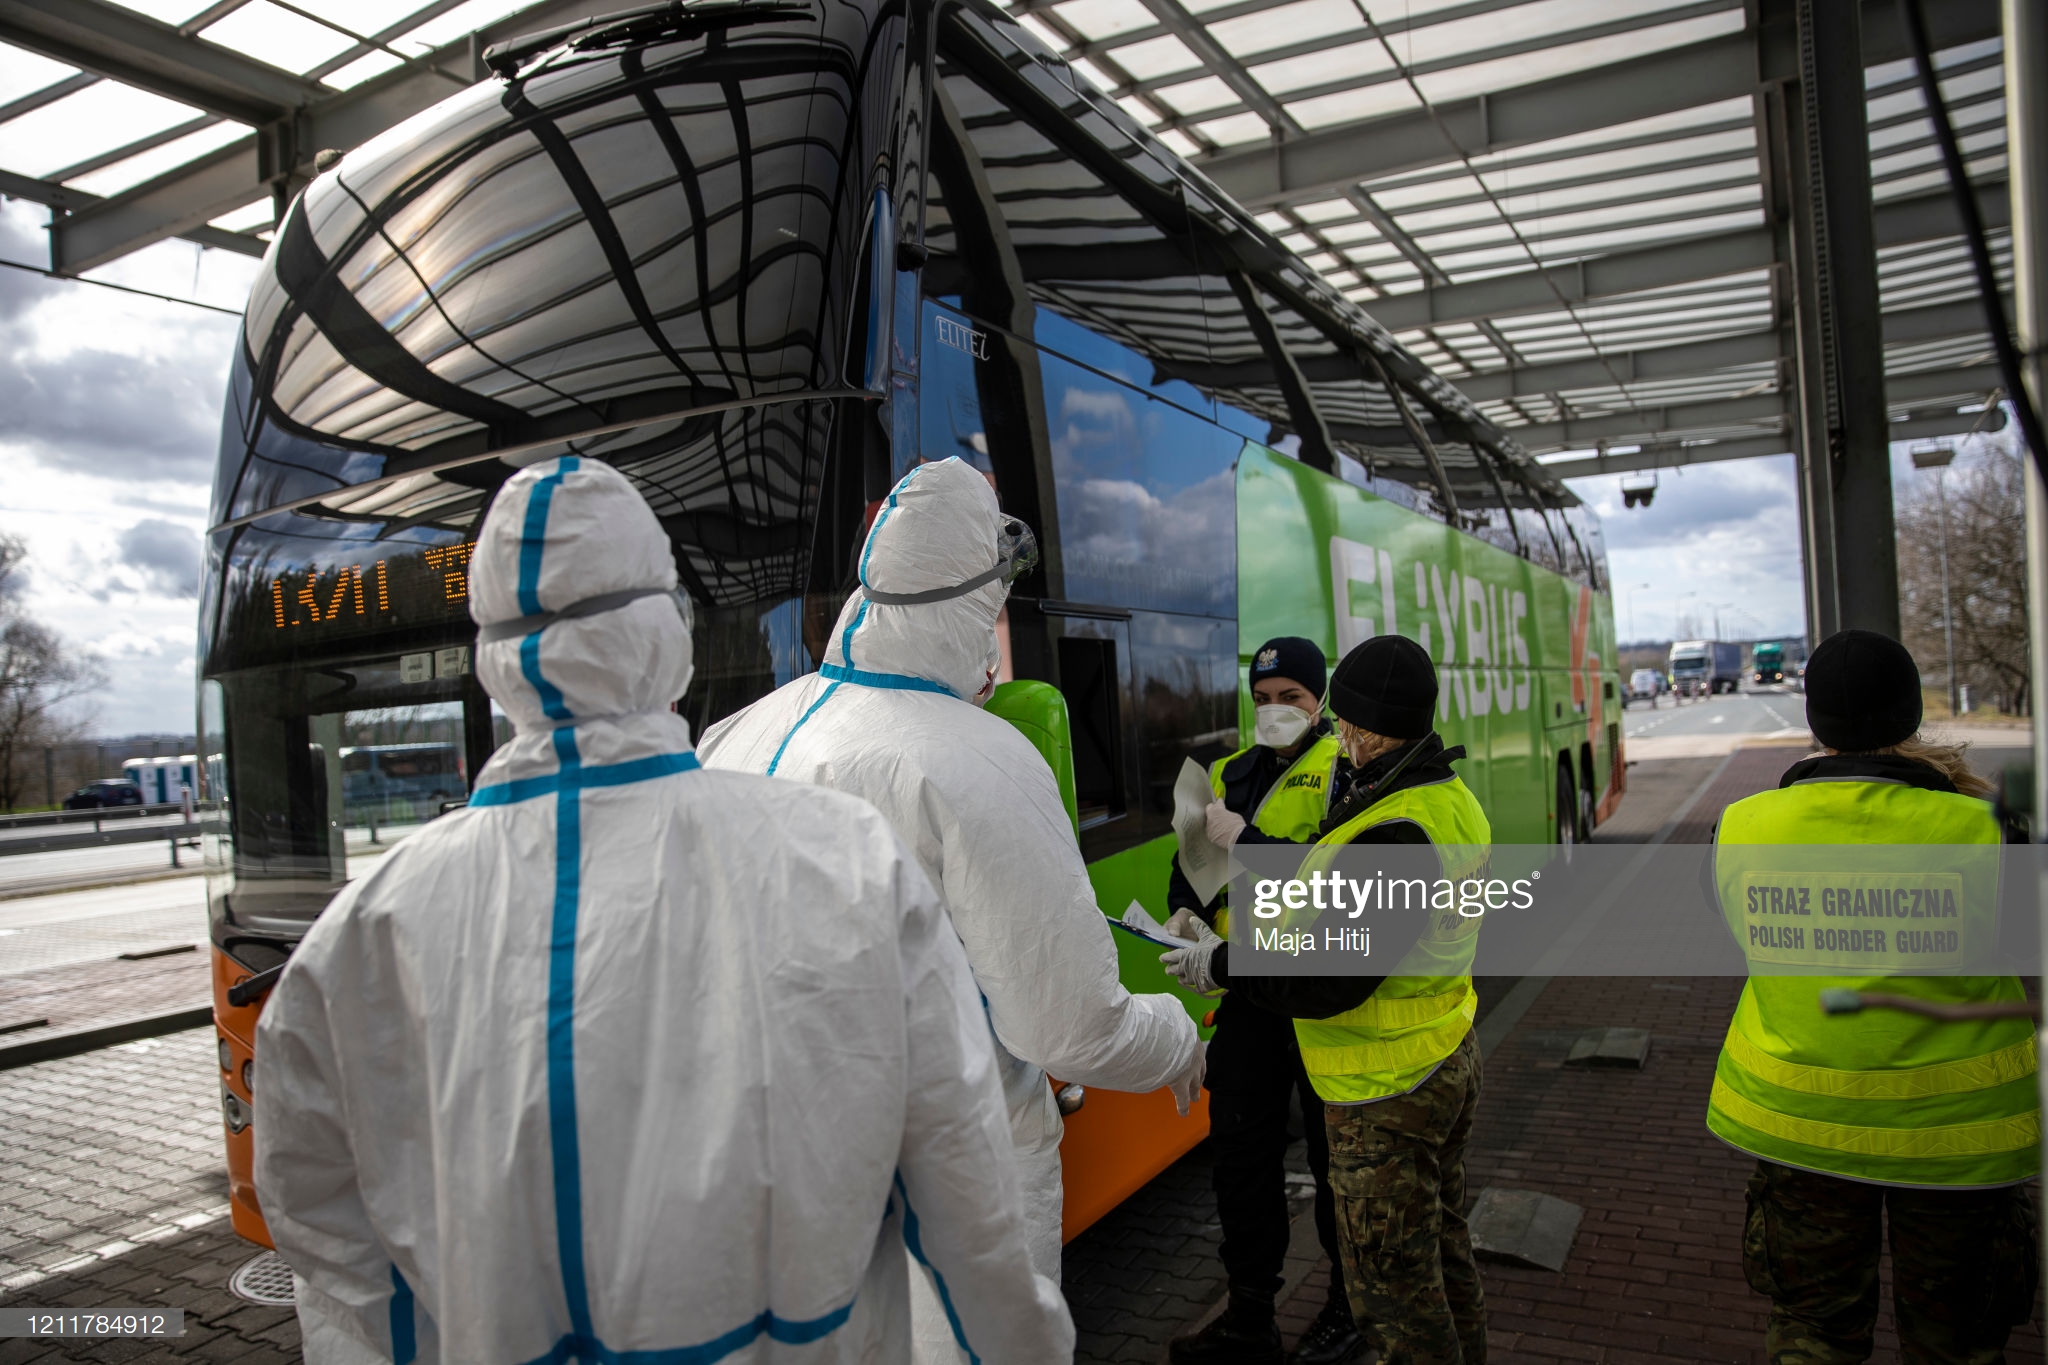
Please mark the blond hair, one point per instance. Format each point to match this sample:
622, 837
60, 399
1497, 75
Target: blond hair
1373, 744
1950, 760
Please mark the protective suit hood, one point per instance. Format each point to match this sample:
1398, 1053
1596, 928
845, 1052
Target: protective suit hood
559, 534
937, 527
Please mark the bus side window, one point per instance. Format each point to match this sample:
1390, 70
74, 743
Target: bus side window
1091, 683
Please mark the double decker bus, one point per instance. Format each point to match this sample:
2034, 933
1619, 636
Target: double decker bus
763, 257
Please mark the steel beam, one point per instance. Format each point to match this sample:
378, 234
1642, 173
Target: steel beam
1668, 457
1692, 359
1688, 261
1835, 216
1750, 448
1923, 385
113, 41
1332, 160
2026, 140
1668, 421
67, 200
235, 175
189, 198
1924, 425
1935, 322
1175, 19
1674, 419
1656, 362
49, 94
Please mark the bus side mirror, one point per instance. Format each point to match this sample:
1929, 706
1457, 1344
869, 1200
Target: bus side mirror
1040, 713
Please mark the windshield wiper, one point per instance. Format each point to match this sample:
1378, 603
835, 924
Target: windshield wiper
641, 24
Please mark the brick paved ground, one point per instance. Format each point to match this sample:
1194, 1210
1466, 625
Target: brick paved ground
1655, 1272
1148, 1271
116, 1146
90, 994
113, 1193
188, 1271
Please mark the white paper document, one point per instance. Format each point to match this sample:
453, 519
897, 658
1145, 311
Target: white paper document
1207, 865
1139, 921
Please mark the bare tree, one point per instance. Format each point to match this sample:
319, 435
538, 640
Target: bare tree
39, 675
1987, 575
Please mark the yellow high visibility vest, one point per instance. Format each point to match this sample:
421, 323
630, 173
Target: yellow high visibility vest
1391, 1042
1881, 1096
1294, 806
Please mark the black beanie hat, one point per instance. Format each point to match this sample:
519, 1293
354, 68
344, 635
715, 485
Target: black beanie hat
1388, 686
1862, 692
1290, 656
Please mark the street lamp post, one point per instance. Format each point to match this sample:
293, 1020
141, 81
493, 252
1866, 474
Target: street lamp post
1937, 457
1632, 610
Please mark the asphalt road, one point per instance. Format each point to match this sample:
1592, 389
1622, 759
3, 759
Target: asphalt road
1745, 713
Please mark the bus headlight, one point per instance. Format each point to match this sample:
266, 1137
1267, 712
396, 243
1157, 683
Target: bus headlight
232, 1108
227, 1057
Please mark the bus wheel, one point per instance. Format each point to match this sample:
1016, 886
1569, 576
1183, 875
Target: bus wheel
1567, 811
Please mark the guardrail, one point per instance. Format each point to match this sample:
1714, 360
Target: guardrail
185, 833
92, 817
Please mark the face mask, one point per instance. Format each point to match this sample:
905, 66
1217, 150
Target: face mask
1279, 726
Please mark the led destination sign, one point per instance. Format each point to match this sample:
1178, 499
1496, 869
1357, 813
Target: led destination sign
429, 586
285, 601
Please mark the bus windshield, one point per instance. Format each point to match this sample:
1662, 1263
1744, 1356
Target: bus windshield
633, 256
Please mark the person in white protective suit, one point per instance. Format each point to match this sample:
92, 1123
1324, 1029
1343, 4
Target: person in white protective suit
891, 715
630, 1056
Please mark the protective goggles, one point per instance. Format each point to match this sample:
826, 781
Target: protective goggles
589, 606
1016, 555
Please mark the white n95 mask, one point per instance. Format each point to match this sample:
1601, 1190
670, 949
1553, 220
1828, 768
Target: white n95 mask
1279, 726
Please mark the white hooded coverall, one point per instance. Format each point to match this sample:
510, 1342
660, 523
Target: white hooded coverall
630, 1061
889, 717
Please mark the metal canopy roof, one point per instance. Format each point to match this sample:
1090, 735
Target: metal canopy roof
1560, 205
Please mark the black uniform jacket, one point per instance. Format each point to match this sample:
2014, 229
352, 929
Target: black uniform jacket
1415, 764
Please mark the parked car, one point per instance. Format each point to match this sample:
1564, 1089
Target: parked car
1644, 685
107, 791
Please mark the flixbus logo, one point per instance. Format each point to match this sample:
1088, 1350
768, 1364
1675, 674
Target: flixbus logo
1462, 620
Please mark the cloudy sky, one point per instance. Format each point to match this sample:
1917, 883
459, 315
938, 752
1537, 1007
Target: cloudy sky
112, 419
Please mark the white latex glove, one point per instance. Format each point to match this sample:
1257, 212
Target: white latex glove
1190, 966
1187, 1087
1222, 824
1181, 924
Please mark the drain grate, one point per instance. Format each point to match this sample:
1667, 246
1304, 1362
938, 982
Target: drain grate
264, 1279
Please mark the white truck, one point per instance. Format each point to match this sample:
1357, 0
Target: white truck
1701, 668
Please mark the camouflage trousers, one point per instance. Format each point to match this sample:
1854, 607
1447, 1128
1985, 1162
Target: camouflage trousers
1964, 1264
1397, 1167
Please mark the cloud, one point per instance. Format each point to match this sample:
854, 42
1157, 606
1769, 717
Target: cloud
165, 553
111, 408
1754, 498
96, 382
1719, 540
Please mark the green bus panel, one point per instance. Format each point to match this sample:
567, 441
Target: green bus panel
1526, 657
